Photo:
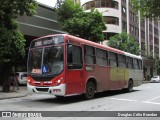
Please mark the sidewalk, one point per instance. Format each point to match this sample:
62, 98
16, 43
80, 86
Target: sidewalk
14, 94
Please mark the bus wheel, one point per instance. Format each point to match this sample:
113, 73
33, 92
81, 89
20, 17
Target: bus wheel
130, 86
90, 90
59, 97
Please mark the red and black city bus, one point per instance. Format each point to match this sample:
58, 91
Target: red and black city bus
63, 64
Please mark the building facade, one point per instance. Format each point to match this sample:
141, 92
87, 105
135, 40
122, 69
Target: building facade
120, 16
44, 22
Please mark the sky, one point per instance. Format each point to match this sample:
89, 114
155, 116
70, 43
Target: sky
48, 2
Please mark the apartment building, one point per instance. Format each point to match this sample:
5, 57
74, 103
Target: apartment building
120, 16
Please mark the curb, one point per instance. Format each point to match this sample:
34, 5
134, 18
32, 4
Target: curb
22, 92
18, 96
144, 82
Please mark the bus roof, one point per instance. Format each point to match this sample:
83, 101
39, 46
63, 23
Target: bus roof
90, 43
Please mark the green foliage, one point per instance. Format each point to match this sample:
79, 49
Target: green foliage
12, 41
87, 25
148, 8
68, 10
124, 42
157, 66
10, 9
11, 45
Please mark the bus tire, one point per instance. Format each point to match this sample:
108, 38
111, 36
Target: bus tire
59, 97
90, 90
130, 86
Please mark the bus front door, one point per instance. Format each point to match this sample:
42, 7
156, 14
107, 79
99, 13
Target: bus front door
74, 71
74, 81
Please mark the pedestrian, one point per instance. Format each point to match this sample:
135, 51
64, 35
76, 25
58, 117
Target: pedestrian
15, 81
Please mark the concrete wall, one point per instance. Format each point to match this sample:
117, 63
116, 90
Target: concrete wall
43, 23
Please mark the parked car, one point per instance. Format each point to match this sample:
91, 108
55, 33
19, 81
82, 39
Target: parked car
155, 79
22, 77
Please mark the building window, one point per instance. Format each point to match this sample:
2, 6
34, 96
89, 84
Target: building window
124, 11
108, 35
124, 26
156, 41
124, 1
111, 20
150, 27
156, 31
114, 4
142, 23
101, 3
142, 46
142, 34
97, 3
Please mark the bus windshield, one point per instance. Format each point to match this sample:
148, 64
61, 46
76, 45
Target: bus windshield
47, 60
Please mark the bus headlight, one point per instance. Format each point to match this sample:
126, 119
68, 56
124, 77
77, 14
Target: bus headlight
29, 81
58, 81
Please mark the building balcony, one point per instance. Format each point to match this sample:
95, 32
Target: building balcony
113, 28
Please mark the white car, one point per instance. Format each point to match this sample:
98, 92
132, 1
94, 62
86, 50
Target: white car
22, 77
155, 79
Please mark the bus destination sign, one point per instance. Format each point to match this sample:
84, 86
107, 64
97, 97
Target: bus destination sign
47, 41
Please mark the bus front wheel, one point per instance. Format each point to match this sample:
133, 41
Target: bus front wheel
90, 90
59, 97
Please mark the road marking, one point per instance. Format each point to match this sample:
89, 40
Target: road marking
129, 100
151, 102
124, 99
153, 99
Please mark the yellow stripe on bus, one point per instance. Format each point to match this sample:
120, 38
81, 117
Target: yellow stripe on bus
118, 74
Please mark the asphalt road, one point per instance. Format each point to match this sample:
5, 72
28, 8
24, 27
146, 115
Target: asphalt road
144, 98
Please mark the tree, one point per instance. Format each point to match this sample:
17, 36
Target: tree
124, 42
87, 25
148, 8
157, 66
12, 41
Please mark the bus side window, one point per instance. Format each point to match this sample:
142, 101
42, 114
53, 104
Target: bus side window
113, 59
135, 64
74, 57
122, 61
101, 57
129, 63
89, 55
140, 64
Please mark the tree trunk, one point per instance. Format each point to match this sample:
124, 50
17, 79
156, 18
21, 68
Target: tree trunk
6, 69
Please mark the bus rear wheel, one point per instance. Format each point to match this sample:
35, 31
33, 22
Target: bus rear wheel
130, 86
90, 90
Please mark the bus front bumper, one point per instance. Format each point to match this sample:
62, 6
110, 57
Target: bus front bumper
53, 90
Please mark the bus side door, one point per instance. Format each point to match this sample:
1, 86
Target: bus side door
74, 72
